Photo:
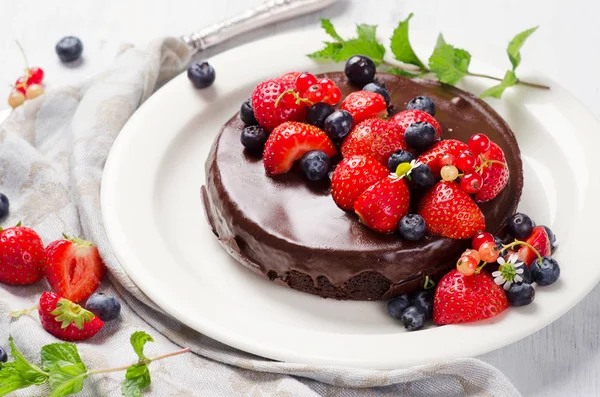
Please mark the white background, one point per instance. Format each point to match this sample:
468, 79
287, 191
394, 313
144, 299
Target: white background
562, 359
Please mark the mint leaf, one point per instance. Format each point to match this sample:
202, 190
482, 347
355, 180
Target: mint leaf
449, 64
137, 378
330, 30
402, 72
328, 52
367, 32
138, 341
440, 41
60, 354
400, 45
19, 373
67, 371
11, 379
514, 47
510, 79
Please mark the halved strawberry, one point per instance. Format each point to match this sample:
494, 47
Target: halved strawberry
432, 156
540, 241
373, 137
67, 320
450, 212
364, 104
352, 176
382, 205
74, 268
290, 141
407, 117
268, 112
462, 299
495, 174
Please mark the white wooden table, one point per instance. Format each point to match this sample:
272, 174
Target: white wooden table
560, 360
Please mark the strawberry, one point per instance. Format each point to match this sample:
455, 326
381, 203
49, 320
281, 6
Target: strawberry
352, 176
382, 205
540, 241
495, 175
67, 320
291, 77
408, 117
290, 141
449, 211
22, 256
373, 137
74, 268
364, 104
432, 156
268, 112
462, 299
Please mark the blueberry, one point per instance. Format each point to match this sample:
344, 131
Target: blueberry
519, 226
420, 135
247, 113
397, 306
526, 275
360, 70
202, 75
546, 273
412, 227
315, 165
103, 306
69, 48
3, 355
424, 301
520, 294
3, 205
422, 177
413, 318
551, 236
317, 114
254, 138
380, 89
423, 103
399, 157
338, 124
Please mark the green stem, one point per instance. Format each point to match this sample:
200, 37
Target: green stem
519, 242
146, 361
521, 82
292, 92
405, 66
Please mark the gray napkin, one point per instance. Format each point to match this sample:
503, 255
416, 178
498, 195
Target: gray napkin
52, 152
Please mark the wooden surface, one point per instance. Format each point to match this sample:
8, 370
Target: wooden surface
560, 360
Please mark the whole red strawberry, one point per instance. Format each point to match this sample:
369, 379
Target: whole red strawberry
74, 268
495, 174
432, 156
67, 320
22, 258
364, 104
450, 212
352, 176
382, 205
407, 117
268, 111
463, 299
373, 137
540, 241
290, 141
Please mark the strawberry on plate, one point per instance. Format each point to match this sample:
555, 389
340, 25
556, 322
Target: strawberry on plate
382, 205
373, 137
268, 111
364, 104
450, 212
291, 77
22, 258
462, 299
352, 176
290, 141
495, 173
540, 241
407, 117
67, 320
432, 156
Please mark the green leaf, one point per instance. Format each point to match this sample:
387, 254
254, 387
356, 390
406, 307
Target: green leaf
60, 354
330, 30
440, 41
137, 378
448, 63
138, 341
373, 50
510, 79
67, 371
19, 373
402, 72
367, 32
400, 45
328, 52
514, 47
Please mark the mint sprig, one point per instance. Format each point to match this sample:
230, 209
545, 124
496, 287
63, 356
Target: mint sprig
65, 372
447, 63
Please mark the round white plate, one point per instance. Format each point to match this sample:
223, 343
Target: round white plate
154, 218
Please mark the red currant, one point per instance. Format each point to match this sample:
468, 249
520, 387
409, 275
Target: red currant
447, 159
449, 173
16, 99
466, 161
467, 265
479, 143
34, 91
333, 97
489, 252
21, 84
304, 81
481, 238
471, 183
36, 75
315, 93
474, 253
327, 84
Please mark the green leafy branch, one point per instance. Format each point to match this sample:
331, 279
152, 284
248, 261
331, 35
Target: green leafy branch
65, 372
447, 63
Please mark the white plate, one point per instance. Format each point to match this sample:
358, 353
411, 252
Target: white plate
154, 218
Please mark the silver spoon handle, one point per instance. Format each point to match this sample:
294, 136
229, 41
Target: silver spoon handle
269, 12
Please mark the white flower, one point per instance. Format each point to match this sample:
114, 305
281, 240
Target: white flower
405, 170
509, 271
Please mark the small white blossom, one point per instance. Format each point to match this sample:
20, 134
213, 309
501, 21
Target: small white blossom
509, 271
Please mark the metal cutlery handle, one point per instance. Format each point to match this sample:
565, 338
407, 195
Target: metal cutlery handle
265, 14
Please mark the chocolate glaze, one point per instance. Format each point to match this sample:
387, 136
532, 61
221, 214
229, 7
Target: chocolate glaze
289, 229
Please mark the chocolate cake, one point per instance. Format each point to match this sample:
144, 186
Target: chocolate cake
291, 231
